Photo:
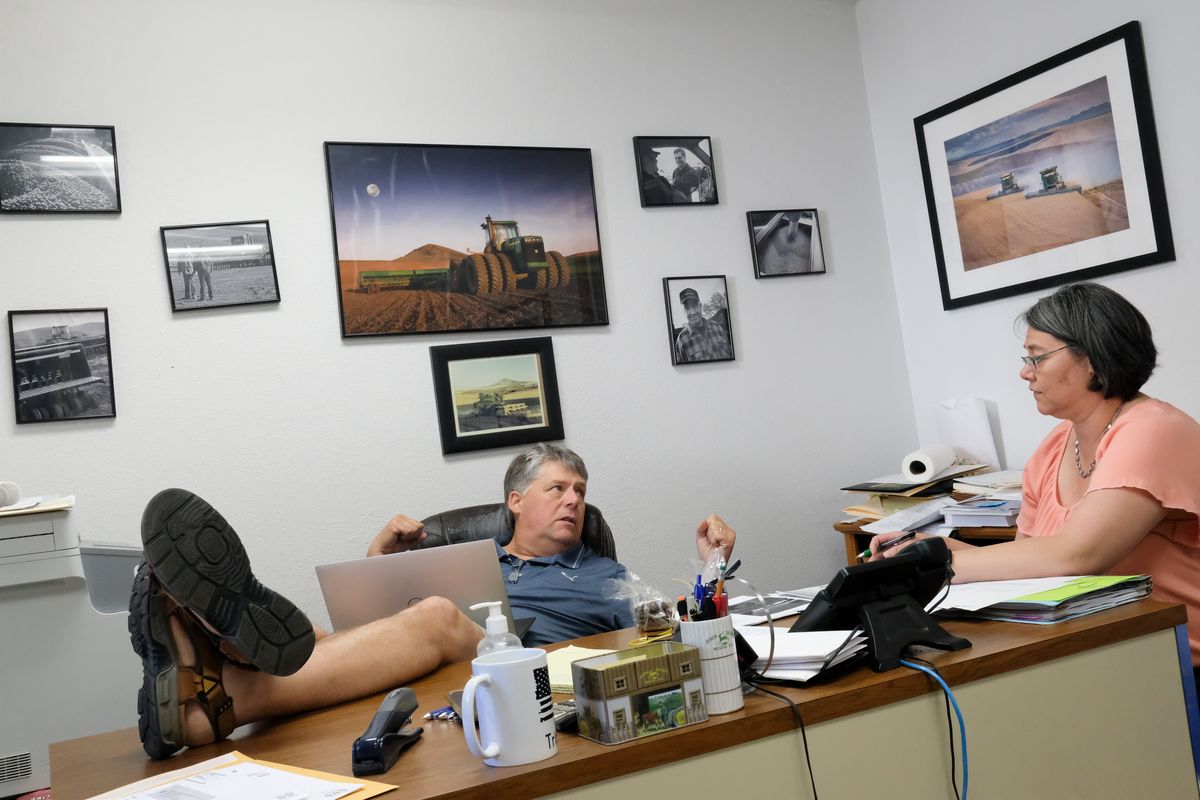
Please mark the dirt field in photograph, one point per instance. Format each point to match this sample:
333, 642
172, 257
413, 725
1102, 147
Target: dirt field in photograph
230, 287
422, 310
991, 231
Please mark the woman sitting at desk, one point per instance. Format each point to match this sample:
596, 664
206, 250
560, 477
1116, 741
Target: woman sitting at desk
1114, 488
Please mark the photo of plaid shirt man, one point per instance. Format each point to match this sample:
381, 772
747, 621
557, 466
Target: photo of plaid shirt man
701, 339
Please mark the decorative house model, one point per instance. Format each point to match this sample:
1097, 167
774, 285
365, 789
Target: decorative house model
638, 692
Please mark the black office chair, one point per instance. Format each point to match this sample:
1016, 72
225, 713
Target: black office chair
495, 521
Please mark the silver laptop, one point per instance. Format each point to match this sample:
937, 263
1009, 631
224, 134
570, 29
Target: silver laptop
357, 592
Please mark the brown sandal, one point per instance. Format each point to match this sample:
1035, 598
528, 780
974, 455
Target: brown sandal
168, 686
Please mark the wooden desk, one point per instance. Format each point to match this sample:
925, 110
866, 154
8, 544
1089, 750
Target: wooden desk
1088, 708
857, 541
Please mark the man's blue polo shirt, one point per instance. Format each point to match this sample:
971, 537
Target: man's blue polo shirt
566, 594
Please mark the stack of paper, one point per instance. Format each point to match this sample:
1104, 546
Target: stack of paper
997, 511
559, 661
987, 482
911, 518
800, 656
1042, 601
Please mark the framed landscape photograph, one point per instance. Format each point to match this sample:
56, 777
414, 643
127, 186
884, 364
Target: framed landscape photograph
698, 323
62, 364
675, 170
1048, 176
434, 238
496, 394
54, 169
785, 242
220, 264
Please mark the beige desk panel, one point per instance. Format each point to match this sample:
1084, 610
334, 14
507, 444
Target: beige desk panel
1108, 723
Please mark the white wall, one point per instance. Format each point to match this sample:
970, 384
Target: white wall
307, 442
922, 54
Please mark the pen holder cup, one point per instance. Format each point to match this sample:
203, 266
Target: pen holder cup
718, 662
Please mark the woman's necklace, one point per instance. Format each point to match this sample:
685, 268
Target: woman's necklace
1083, 473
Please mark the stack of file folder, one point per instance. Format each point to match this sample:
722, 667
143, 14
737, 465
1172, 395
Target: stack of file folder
801, 656
1042, 601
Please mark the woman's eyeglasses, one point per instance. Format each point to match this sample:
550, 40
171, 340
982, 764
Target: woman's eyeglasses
1032, 361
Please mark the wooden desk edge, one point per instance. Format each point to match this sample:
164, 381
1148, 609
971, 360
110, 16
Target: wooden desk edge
581, 762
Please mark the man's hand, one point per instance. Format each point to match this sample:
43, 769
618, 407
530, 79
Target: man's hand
399, 534
714, 532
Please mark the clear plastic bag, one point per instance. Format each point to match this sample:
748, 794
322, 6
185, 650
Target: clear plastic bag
653, 611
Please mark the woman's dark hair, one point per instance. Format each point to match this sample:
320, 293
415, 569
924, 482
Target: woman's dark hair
1103, 326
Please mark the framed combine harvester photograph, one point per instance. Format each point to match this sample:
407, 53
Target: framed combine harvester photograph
433, 238
496, 394
62, 364
1048, 176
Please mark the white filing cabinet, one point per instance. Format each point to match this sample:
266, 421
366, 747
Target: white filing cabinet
66, 670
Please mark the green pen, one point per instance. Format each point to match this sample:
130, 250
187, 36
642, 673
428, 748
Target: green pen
888, 545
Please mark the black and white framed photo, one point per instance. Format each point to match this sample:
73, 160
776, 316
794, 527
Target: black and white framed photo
220, 264
1047, 176
785, 242
675, 170
698, 321
62, 364
496, 394
55, 169
431, 238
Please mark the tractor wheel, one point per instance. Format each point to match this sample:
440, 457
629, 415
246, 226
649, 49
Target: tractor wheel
500, 282
561, 274
75, 402
475, 274
510, 274
542, 280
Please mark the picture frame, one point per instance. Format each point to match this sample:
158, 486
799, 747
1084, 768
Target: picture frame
786, 242
220, 264
1047, 176
61, 364
689, 159
58, 169
434, 238
699, 328
496, 394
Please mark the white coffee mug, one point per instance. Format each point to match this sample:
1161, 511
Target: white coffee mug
516, 710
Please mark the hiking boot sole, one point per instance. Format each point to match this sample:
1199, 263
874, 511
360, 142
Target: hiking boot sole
200, 561
159, 720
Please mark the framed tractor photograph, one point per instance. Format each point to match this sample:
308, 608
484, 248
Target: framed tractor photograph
432, 238
62, 364
496, 394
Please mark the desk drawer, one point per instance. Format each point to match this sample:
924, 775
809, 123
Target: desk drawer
24, 545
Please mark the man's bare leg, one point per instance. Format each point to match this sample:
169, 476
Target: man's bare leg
344, 666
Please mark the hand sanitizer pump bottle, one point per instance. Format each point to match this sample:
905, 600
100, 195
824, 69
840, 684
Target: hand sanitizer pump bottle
498, 636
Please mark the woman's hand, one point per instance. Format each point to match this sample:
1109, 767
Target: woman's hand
881, 549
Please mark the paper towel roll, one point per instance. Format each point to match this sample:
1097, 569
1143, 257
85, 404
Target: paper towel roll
9, 493
921, 465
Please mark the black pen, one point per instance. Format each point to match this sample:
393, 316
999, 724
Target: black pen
889, 544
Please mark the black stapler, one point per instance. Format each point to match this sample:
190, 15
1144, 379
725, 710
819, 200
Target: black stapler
386, 737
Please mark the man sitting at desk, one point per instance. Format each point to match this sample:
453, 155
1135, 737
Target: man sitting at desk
209, 633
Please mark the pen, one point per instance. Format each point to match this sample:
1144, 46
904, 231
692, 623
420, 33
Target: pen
888, 545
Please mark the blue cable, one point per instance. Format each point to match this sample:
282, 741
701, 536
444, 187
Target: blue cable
962, 726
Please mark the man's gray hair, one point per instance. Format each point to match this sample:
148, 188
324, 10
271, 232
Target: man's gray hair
526, 466
1101, 325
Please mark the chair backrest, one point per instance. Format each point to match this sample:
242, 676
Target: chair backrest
495, 521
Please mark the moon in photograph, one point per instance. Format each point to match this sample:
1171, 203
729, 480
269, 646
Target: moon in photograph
372, 190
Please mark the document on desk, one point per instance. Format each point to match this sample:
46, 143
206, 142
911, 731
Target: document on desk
800, 656
236, 777
981, 594
910, 518
747, 610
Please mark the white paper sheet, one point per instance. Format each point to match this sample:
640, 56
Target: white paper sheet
981, 594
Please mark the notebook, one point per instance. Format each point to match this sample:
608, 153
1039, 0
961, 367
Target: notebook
362, 591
